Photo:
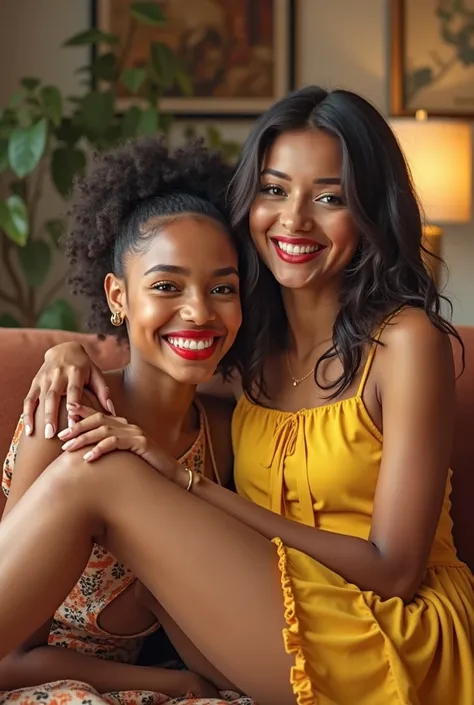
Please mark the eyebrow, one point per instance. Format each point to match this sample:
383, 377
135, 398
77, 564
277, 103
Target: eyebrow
282, 175
184, 271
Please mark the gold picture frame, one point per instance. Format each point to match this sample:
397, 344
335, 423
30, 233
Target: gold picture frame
240, 53
432, 57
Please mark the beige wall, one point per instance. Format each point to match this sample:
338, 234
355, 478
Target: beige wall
341, 43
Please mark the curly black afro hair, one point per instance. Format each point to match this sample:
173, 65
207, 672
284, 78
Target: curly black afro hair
141, 179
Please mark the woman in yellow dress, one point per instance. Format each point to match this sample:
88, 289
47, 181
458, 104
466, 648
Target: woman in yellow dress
339, 535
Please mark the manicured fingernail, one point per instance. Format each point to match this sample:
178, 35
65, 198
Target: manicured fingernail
69, 444
64, 434
111, 407
28, 430
71, 423
88, 456
49, 430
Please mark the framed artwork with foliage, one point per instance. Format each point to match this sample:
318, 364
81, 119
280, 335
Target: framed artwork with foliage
210, 58
432, 57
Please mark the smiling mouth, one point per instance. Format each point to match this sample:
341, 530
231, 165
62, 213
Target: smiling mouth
192, 348
296, 250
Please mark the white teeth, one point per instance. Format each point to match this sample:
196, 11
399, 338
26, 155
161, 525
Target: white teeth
297, 249
190, 343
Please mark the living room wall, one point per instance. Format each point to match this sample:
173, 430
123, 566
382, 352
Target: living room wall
338, 44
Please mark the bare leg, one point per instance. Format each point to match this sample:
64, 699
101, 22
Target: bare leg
216, 578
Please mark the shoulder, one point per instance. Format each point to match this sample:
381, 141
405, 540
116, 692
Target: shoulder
411, 336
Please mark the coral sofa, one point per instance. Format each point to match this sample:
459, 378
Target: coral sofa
22, 351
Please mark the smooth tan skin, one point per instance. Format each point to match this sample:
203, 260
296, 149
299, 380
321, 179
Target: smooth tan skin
156, 390
237, 601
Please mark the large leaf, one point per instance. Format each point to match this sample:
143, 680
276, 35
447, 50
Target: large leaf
52, 103
35, 261
105, 67
4, 164
96, 112
30, 83
184, 81
163, 64
133, 79
68, 132
130, 121
8, 321
55, 227
148, 12
91, 36
66, 164
59, 316
14, 219
26, 147
148, 124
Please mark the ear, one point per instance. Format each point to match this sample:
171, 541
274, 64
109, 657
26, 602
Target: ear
116, 294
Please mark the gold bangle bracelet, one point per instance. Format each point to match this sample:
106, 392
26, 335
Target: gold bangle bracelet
191, 479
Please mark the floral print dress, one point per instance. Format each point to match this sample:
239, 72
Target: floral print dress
76, 623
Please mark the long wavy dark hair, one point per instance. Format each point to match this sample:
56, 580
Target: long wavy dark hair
387, 270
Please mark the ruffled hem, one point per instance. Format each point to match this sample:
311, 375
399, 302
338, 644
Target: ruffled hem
299, 678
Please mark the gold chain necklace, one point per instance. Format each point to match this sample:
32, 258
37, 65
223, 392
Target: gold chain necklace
297, 380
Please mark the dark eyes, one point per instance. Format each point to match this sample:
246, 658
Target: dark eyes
165, 286
170, 288
272, 190
330, 199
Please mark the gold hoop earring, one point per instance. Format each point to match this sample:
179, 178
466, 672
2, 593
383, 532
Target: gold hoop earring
116, 319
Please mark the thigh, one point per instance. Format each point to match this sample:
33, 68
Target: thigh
217, 579
190, 655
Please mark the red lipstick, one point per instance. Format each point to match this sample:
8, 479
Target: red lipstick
297, 258
189, 344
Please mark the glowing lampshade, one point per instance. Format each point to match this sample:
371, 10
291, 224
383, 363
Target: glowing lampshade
439, 154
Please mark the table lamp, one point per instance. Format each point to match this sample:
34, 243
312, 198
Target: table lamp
439, 154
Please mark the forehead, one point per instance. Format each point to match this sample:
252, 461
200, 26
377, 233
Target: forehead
191, 241
312, 153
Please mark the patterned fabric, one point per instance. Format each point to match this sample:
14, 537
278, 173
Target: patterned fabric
75, 624
76, 693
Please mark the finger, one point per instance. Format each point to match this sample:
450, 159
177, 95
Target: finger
107, 445
30, 403
88, 438
100, 388
51, 398
75, 385
83, 411
95, 420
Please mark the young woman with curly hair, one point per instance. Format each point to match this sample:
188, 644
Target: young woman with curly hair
151, 250
339, 535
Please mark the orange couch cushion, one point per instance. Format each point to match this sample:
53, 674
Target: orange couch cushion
21, 355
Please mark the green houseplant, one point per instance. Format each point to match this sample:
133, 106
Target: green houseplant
46, 136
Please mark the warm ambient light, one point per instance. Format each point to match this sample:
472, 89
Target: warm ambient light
439, 155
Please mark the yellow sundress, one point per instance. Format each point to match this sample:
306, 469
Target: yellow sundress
351, 647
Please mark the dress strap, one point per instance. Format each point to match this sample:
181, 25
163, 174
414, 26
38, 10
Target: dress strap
207, 431
373, 350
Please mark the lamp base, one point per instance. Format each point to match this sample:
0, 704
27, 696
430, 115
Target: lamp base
432, 241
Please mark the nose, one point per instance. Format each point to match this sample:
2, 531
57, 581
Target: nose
295, 217
198, 310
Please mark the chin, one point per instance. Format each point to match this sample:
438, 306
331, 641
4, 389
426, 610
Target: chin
296, 280
193, 377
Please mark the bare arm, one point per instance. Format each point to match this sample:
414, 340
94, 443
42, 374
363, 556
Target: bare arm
417, 396
67, 369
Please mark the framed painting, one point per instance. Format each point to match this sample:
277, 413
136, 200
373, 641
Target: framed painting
239, 54
432, 57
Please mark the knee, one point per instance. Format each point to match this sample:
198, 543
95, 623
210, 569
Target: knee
69, 478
